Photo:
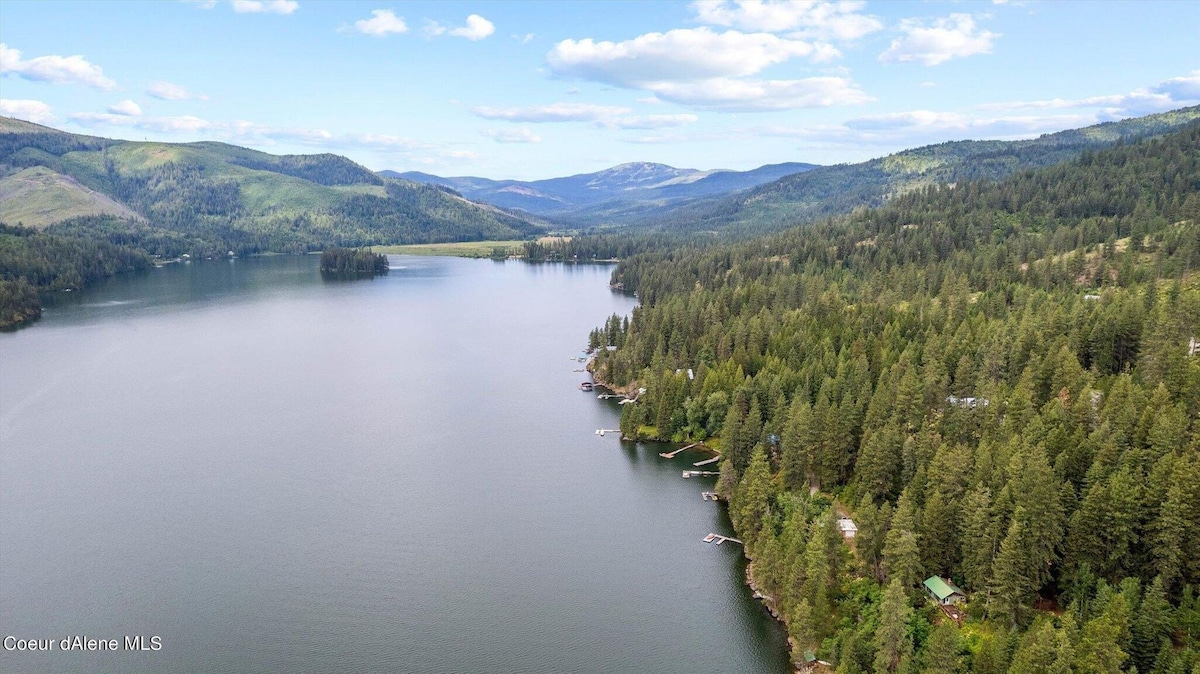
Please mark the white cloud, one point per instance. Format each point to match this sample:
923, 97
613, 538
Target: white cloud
706, 69
264, 6
555, 112
1172, 93
55, 69
127, 108
476, 28
182, 124
383, 22
682, 54
518, 135
733, 95
523, 39
28, 110
814, 19
954, 36
603, 116
648, 121
1185, 88
172, 92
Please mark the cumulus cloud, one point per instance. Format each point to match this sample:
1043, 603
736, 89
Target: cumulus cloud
476, 28
1186, 88
383, 22
172, 92
54, 69
28, 110
518, 135
264, 6
951, 37
127, 108
555, 112
838, 21
707, 69
683, 54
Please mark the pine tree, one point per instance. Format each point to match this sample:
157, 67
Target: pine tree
1011, 585
892, 641
751, 499
1044, 649
942, 651
901, 553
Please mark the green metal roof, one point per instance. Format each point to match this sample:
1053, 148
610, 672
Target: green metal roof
940, 587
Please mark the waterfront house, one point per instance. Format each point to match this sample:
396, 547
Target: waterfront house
944, 591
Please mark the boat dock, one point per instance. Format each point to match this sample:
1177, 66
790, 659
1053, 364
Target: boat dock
699, 473
719, 539
602, 431
671, 455
707, 461
706, 495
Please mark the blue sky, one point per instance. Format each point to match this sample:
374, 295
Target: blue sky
540, 89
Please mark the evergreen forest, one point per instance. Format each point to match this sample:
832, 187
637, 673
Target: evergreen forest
998, 382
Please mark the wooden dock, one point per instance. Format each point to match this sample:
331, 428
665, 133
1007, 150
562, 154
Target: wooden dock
706, 495
699, 473
719, 539
602, 431
671, 455
707, 461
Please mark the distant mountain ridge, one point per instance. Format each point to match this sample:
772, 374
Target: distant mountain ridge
838, 189
632, 187
213, 197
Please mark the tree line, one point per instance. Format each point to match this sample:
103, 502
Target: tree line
32, 262
997, 380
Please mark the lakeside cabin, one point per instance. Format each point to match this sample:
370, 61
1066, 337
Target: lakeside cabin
944, 591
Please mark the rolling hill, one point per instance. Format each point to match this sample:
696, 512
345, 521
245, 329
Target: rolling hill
207, 197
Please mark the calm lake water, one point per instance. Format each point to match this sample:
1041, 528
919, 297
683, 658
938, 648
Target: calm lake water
275, 473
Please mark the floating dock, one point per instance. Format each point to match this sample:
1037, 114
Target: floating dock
707, 461
699, 473
719, 539
602, 431
706, 495
671, 455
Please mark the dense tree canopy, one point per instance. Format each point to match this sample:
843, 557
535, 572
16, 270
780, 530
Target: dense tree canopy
997, 380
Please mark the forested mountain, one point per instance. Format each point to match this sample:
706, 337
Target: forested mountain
212, 197
998, 381
831, 190
611, 195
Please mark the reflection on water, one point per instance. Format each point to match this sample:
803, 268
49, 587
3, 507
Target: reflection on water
274, 473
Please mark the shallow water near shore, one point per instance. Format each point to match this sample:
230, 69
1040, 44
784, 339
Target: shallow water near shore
273, 472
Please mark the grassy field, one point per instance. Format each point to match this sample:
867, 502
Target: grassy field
463, 249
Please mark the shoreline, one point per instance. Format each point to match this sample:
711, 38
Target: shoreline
766, 600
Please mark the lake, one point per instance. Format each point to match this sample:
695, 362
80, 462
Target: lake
277, 473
